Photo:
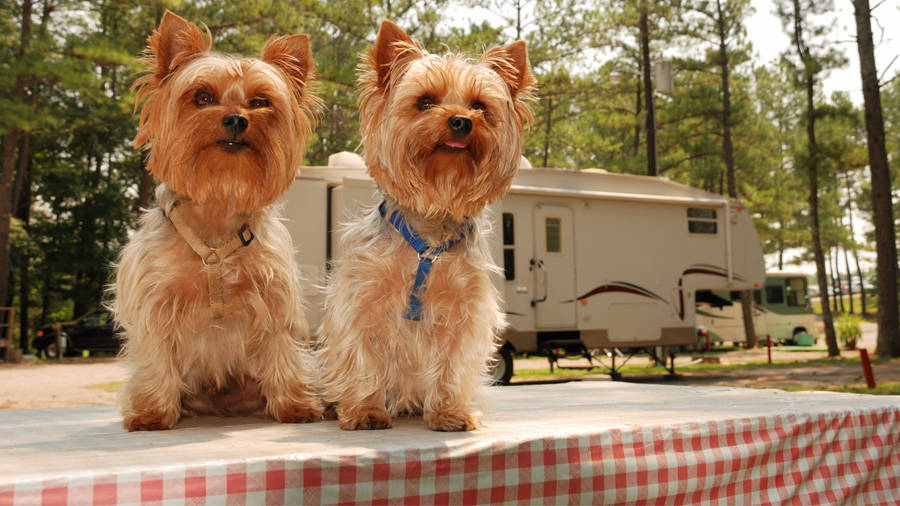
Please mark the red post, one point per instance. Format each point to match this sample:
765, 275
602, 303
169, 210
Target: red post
867, 367
708, 348
769, 347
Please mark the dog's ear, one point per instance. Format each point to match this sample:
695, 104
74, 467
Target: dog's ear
511, 64
392, 47
175, 40
293, 56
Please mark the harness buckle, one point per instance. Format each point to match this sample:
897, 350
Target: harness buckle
245, 228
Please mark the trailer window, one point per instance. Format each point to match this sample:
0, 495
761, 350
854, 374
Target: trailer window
796, 292
509, 252
774, 295
509, 235
553, 229
702, 220
509, 264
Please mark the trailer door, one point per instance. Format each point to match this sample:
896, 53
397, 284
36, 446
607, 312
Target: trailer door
553, 266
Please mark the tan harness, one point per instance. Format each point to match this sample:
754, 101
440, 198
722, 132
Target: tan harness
212, 259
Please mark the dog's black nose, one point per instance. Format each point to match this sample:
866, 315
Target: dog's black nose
235, 124
460, 124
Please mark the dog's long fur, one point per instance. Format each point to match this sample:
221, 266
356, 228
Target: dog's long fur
182, 359
377, 364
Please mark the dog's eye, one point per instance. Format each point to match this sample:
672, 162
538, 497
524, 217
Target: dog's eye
258, 103
203, 97
424, 103
478, 106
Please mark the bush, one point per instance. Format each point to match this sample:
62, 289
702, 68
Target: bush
849, 330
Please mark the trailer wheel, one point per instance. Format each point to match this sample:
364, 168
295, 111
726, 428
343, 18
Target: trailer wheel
503, 367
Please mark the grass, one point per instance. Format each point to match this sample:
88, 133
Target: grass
871, 305
816, 362
890, 388
801, 348
887, 389
112, 386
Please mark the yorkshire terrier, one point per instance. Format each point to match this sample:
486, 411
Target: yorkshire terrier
411, 314
207, 292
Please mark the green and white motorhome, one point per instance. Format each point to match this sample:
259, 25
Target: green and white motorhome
781, 310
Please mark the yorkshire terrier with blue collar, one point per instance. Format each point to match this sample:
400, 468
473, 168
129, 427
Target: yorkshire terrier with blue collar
411, 315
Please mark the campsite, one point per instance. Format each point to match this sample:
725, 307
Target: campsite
449, 252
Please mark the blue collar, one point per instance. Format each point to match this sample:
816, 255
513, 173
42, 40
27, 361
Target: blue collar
427, 256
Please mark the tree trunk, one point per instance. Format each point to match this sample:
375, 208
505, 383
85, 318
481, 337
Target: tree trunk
849, 277
10, 143
23, 212
829, 266
547, 131
839, 285
637, 120
728, 156
812, 167
648, 93
780, 246
885, 236
862, 287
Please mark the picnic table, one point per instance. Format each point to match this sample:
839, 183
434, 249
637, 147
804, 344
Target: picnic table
589, 442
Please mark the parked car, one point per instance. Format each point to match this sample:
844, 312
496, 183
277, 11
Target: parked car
94, 332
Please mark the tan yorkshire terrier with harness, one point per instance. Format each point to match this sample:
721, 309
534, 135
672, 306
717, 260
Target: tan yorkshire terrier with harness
207, 293
411, 315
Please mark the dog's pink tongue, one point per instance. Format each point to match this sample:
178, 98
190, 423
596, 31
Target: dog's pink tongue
456, 144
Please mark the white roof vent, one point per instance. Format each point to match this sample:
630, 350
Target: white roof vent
346, 159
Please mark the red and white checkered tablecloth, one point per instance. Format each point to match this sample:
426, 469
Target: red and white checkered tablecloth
833, 456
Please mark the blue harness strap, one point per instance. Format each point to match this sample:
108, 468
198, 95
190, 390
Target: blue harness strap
427, 256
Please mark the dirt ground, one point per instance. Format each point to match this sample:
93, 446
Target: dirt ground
800, 375
95, 382
55, 385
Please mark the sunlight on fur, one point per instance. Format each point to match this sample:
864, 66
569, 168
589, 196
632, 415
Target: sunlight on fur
225, 137
442, 138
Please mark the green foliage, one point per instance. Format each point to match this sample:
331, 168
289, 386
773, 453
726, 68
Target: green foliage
68, 87
849, 330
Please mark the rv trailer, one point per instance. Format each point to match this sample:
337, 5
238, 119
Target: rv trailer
781, 310
591, 260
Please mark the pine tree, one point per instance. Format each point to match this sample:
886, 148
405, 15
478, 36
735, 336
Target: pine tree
809, 61
885, 234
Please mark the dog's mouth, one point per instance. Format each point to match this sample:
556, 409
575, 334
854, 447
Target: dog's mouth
232, 145
453, 146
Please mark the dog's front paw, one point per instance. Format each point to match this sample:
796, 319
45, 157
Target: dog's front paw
372, 417
298, 412
453, 421
150, 420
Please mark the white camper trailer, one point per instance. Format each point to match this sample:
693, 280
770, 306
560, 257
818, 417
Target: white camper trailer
591, 260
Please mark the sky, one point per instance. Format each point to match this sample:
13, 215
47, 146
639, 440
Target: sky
769, 41
764, 30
